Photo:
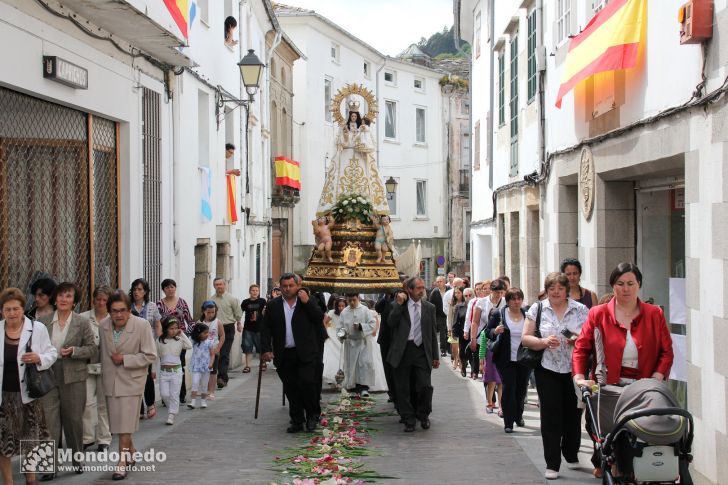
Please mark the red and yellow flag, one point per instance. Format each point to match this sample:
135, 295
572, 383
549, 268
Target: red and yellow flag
232, 205
180, 10
609, 42
288, 172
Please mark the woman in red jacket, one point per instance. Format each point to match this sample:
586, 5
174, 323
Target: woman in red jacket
637, 342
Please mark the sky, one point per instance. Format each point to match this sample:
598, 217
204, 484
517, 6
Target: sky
389, 26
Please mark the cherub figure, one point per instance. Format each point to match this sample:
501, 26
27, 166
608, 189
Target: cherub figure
384, 240
322, 231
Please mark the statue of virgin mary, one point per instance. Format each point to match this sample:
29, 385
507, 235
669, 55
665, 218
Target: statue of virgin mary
353, 168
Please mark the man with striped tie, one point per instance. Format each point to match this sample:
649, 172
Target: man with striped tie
414, 352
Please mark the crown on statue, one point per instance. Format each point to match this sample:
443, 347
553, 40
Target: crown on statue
354, 106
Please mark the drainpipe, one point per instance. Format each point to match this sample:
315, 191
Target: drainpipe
541, 93
491, 93
269, 235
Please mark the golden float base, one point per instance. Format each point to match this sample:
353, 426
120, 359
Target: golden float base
354, 268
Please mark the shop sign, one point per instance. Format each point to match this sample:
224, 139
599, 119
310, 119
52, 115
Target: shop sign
64, 72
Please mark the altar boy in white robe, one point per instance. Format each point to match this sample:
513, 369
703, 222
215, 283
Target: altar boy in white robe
359, 323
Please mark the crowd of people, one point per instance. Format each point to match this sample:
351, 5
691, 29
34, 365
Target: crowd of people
106, 361
106, 364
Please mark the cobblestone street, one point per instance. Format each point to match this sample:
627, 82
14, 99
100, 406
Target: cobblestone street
225, 444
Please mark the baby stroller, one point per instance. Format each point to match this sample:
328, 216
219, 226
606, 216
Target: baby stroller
639, 428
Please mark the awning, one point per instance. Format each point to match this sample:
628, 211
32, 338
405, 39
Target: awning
149, 25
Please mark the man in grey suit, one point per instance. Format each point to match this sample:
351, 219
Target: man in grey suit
413, 352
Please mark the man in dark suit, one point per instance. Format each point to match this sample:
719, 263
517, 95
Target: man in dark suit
383, 307
413, 352
291, 336
435, 298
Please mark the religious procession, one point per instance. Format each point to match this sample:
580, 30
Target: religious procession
316, 250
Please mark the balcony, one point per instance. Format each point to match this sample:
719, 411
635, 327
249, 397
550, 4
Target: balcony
282, 196
144, 24
464, 181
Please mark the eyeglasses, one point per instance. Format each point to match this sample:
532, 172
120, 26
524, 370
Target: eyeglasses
119, 311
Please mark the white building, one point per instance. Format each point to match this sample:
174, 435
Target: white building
629, 169
411, 146
114, 152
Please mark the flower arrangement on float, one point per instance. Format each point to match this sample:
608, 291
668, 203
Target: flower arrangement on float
352, 206
333, 456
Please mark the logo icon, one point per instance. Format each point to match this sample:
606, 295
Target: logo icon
37, 456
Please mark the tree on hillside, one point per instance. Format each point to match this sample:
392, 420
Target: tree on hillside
442, 44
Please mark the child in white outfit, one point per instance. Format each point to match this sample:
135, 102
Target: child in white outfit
200, 364
169, 347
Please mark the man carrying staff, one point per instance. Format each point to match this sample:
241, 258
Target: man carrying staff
413, 352
291, 334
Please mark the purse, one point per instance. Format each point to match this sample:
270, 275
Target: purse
529, 357
37, 382
495, 345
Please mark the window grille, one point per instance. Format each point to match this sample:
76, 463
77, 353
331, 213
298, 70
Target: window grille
152, 190
48, 226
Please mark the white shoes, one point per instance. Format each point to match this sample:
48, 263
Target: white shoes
551, 474
573, 466
203, 404
364, 393
191, 404
170, 419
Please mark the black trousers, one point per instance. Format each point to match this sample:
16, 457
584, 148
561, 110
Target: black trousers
149, 394
388, 370
300, 386
183, 389
514, 377
560, 417
475, 360
413, 370
464, 352
224, 363
442, 330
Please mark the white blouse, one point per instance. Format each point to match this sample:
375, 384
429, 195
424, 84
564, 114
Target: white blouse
516, 329
559, 359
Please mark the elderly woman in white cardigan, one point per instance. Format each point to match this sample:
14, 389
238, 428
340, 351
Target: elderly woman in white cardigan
21, 417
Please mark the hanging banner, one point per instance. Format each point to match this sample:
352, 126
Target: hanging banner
231, 200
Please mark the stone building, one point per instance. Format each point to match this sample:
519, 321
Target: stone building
632, 167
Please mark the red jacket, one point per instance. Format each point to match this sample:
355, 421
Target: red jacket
650, 333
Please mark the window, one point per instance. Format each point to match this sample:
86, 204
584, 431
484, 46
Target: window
367, 69
335, 52
392, 200
421, 198
152, 189
419, 84
532, 81
420, 126
477, 35
501, 88
327, 100
476, 146
390, 77
514, 104
204, 8
563, 20
597, 5
390, 119
465, 108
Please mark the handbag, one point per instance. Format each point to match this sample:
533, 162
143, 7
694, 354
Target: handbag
529, 357
495, 344
37, 382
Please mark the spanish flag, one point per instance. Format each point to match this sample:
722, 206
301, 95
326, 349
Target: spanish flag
180, 10
610, 42
288, 172
232, 205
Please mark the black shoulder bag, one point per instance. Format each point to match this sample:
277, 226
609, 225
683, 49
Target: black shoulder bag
529, 357
495, 345
38, 382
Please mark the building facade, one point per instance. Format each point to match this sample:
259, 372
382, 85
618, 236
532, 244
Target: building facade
411, 144
630, 168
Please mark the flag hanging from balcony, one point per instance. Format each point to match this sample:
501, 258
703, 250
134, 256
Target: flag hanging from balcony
610, 42
205, 194
181, 11
288, 173
232, 205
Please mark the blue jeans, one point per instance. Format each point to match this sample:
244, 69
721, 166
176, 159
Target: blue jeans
251, 340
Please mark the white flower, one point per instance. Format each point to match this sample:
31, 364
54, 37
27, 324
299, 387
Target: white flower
345, 202
361, 200
349, 209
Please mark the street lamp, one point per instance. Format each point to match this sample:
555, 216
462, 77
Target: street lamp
250, 70
391, 186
